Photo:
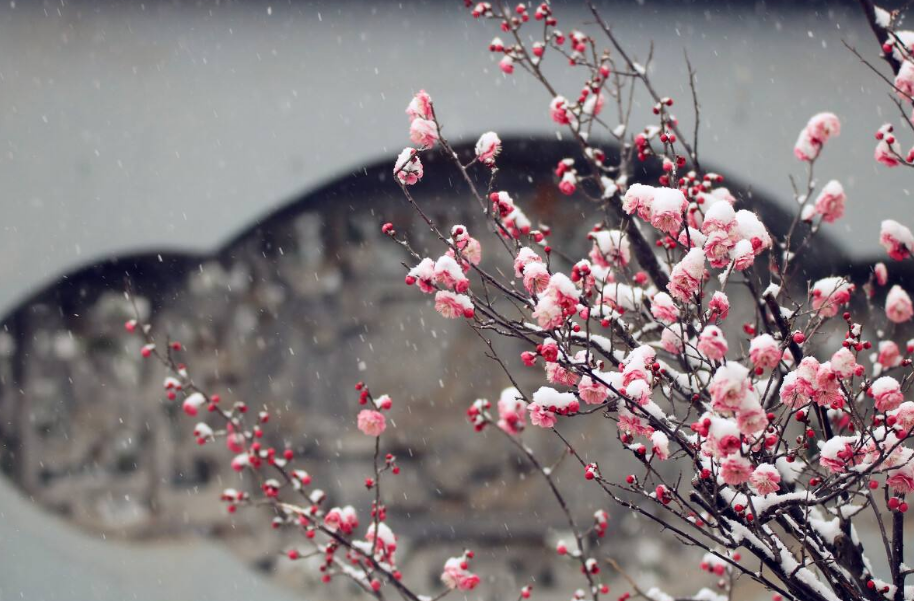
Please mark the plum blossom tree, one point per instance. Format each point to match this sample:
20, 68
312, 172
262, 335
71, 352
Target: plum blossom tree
781, 441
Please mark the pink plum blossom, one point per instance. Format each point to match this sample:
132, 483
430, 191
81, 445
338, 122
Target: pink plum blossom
735, 470
456, 576
487, 148
712, 344
896, 239
765, 479
830, 202
886, 392
423, 133
408, 167
687, 276
452, 305
898, 308
372, 423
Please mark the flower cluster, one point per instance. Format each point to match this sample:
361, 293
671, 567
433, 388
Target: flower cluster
765, 438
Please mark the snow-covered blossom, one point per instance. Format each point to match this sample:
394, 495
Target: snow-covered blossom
423, 133
887, 148
904, 80
372, 423
765, 479
569, 183
557, 302
718, 247
712, 344
592, 393
671, 339
719, 307
594, 104
506, 64
687, 276
453, 306
663, 308
536, 277
457, 576
423, 275
660, 445
729, 387
830, 202
881, 273
798, 386
735, 470
829, 294
524, 257
558, 110
839, 452
638, 198
541, 417
901, 479
511, 411
750, 417
823, 126
844, 363
202, 432
488, 147
750, 227
667, 208
896, 239
469, 247
904, 416
898, 307
638, 391
342, 519
743, 255
611, 248
420, 107
385, 543
764, 352
719, 217
889, 354
450, 275
812, 137
408, 167
552, 400
193, 402
886, 392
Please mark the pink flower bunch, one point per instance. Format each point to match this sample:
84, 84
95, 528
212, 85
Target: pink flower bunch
372, 423
557, 302
898, 307
456, 574
818, 130
487, 148
830, 294
408, 167
423, 131
611, 248
816, 382
896, 239
511, 411
343, 519
830, 202
687, 275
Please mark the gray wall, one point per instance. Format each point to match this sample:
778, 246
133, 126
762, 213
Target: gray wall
139, 126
